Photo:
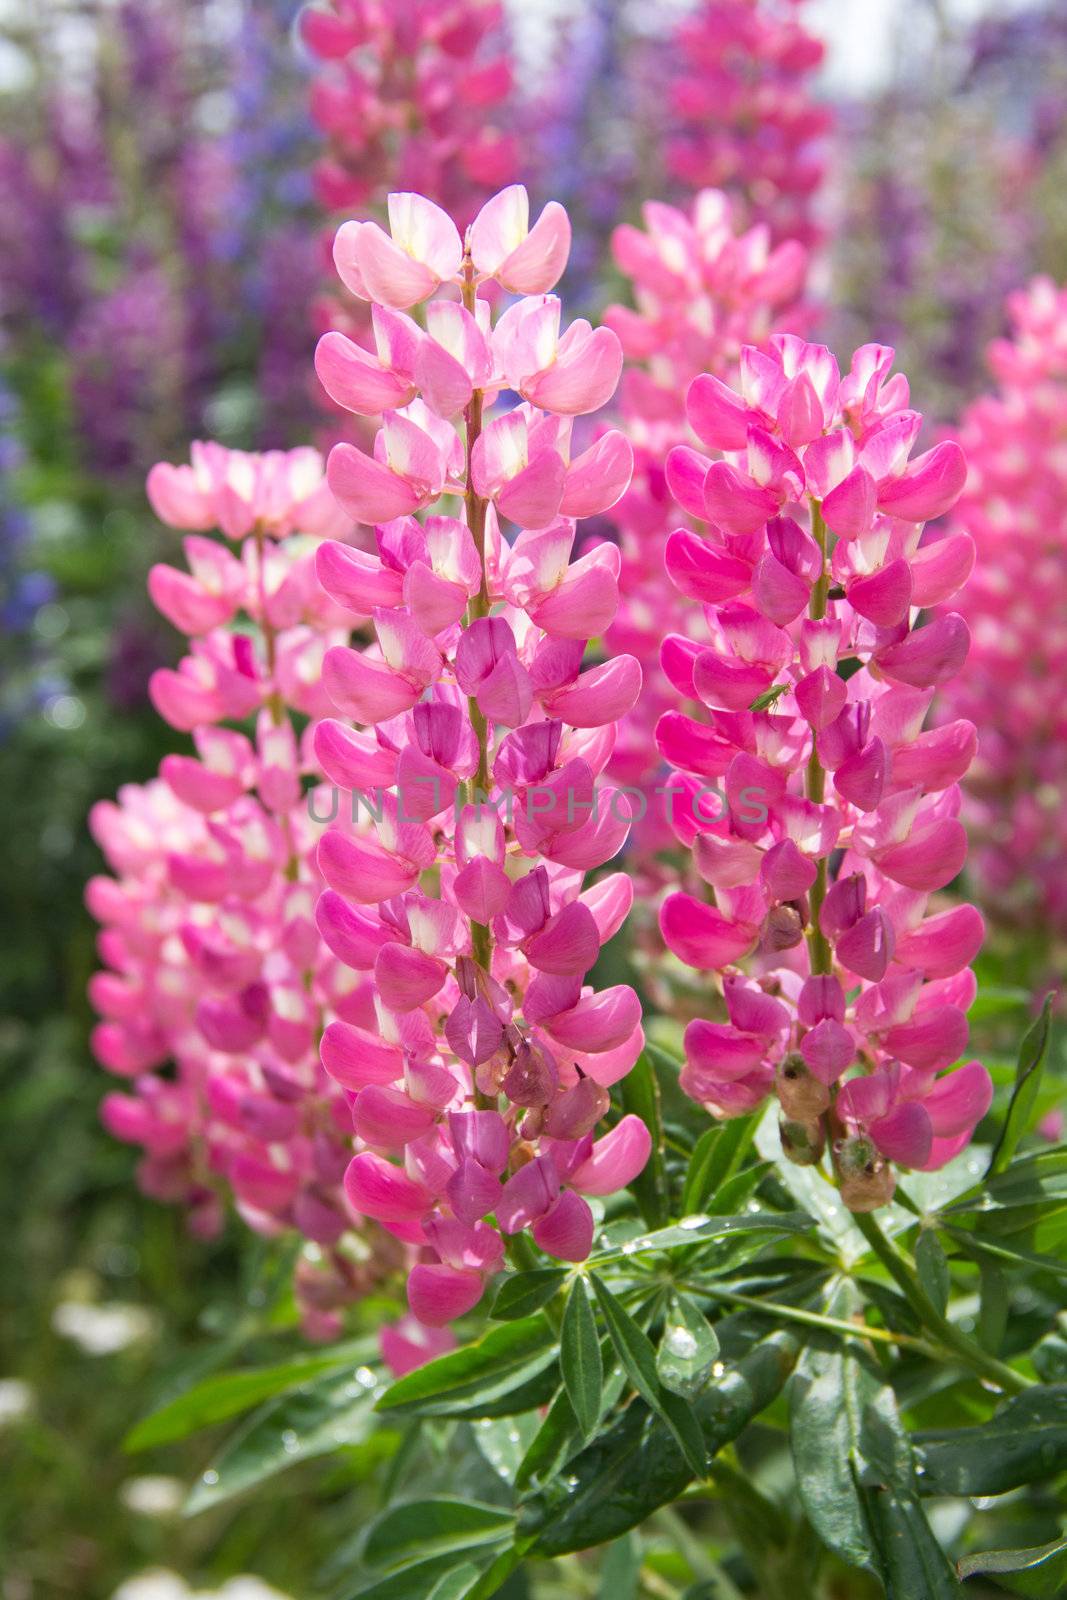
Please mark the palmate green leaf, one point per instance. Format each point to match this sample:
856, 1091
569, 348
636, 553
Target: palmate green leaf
640, 1095
420, 1529
638, 1359
1033, 1054
322, 1416
636, 1466
523, 1293
854, 1467
699, 1229
580, 1363
465, 1382
1024, 1442
558, 1436
227, 1394
688, 1349
1040, 1571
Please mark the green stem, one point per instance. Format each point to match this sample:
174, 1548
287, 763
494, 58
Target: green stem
947, 1335
811, 1319
815, 781
476, 508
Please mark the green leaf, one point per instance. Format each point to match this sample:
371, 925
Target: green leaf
639, 1092
635, 1466
504, 1441
434, 1579
1044, 1568
1024, 1442
932, 1267
314, 1420
844, 1430
854, 1467
580, 1363
620, 1570
699, 1228
420, 1529
464, 1381
639, 1362
523, 1293
1033, 1054
227, 1394
993, 1307
717, 1155
550, 1444
688, 1349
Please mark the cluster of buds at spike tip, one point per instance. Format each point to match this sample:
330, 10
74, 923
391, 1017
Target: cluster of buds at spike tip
703, 289
1014, 506
812, 692
409, 88
477, 1090
212, 962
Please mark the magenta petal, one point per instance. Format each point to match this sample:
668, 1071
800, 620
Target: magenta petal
958, 1101
472, 1192
883, 596
930, 859
928, 655
568, 942
528, 1194
867, 948
704, 571
905, 1135
615, 1160
375, 1188
828, 1049
388, 1119
566, 1232
355, 1058
407, 978
943, 944
700, 935
933, 1038
437, 1294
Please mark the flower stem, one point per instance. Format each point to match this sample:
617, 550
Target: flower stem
815, 784
951, 1339
476, 507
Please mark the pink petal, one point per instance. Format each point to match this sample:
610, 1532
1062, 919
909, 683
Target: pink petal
355, 379
958, 1101
438, 1294
388, 1118
375, 1188
615, 1160
904, 1135
368, 490
928, 487
566, 1232
704, 571
355, 1058
701, 936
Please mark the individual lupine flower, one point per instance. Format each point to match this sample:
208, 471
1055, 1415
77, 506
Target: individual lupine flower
742, 115
839, 814
702, 290
1013, 507
477, 1091
212, 959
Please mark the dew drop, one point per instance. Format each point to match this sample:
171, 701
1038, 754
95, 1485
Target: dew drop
718, 1368
365, 1376
290, 1441
210, 1477
680, 1342
630, 1247
689, 1223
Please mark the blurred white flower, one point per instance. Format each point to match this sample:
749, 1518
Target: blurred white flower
157, 1584
101, 1330
161, 1585
16, 1400
153, 1496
